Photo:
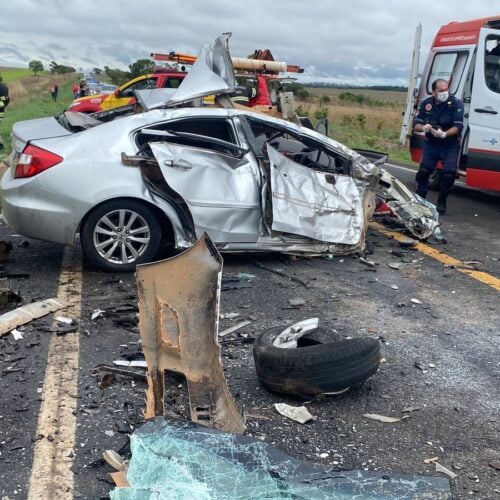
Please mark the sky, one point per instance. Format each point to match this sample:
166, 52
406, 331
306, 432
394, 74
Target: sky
358, 42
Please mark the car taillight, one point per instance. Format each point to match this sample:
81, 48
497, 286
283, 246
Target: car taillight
34, 160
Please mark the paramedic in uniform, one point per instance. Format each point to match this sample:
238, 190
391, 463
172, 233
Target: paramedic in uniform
440, 117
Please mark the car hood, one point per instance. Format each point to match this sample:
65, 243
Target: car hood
211, 74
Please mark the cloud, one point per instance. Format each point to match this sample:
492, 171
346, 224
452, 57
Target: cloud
359, 39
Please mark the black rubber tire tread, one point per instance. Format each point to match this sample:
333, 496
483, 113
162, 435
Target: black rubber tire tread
92, 219
315, 369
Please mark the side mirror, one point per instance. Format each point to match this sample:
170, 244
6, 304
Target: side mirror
116, 93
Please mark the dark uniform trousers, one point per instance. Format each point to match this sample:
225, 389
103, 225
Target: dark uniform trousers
439, 115
448, 155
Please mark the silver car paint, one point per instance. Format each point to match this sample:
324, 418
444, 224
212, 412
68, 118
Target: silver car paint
305, 202
211, 74
221, 191
92, 172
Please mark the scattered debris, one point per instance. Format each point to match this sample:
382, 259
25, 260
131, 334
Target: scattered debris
395, 287
381, 418
411, 409
230, 315
97, 313
107, 380
299, 414
420, 366
64, 320
281, 273
431, 460
61, 329
296, 302
18, 335
113, 370
8, 297
367, 262
395, 265
415, 301
448, 472
495, 464
234, 284
234, 328
5, 249
137, 363
407, 243
27, 313
246, 276
115, 460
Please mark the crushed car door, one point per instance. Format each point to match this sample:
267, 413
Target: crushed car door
319, 205
218, 180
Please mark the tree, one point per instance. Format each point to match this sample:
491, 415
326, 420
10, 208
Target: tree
298, 90
35, 66
141, 67
117, 76
97, 71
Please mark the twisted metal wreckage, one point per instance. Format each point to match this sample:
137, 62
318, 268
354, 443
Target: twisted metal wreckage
179, 310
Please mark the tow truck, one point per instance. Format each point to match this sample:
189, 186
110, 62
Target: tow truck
259, 77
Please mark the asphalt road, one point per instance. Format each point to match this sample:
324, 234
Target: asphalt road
439, 375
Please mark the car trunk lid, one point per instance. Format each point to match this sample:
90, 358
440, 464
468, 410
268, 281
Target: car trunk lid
30, 130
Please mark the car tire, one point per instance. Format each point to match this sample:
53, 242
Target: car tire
106, 243
316, 367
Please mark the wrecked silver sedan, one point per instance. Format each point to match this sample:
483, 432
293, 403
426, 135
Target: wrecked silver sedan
131, 185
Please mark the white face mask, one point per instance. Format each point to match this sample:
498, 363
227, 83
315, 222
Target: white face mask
442, 96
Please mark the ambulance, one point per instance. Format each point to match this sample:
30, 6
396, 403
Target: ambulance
466, 55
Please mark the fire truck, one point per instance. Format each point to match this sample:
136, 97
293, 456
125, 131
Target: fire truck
466, 55
260, 83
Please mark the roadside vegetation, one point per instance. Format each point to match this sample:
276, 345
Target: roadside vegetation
30, 97
358, 118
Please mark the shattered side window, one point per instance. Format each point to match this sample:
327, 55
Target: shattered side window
214, 134
303, 150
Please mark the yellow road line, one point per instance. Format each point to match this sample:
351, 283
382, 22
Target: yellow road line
481, 276
51, 474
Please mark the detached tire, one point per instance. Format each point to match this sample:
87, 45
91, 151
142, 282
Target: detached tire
314, 369
120, 234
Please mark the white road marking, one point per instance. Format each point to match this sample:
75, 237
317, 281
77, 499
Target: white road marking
51, 474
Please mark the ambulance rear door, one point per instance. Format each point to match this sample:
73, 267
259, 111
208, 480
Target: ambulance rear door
483, 147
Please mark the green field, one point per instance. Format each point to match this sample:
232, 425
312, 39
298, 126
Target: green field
373, 124
30, 98
13, 74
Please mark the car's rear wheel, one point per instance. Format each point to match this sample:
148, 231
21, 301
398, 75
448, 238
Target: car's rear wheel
120, 234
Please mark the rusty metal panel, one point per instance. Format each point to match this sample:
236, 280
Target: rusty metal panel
178, 323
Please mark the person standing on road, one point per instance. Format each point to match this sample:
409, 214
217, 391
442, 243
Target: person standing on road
76, 90
4, 101
440, 117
